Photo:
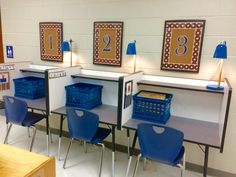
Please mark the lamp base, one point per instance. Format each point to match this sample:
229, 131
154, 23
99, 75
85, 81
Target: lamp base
215, 87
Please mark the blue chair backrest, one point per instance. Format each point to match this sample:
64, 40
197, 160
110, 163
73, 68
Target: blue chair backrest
160, 143
82, 124
15, 109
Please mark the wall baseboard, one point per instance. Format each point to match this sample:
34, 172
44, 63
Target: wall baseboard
122, 148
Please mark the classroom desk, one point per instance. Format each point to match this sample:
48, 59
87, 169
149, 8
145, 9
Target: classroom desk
39, 105
36, 104
107, 115
195, 131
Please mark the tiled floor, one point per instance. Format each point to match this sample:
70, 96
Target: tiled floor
82, 164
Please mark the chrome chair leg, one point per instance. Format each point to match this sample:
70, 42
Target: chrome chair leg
182, 166
50, 135
129, 163
144, 163
184, 163
33, 137
47, 141
101, 161
85, 147
64, 165
28, 130
7, 134
6, 130
6, 127
59, 149
128, 146
136, 165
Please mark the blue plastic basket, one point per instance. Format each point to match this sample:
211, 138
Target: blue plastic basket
29, 87
150, 109
83, 95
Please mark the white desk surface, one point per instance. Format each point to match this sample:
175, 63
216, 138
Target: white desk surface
195, 131
107, 114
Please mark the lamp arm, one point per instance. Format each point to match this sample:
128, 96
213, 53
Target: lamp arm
71, 52
134, 63
220, 74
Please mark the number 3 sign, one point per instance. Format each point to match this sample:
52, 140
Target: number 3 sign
182, 45
107, 43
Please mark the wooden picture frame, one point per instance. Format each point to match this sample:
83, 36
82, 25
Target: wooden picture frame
182, 45
107, 43
51, 37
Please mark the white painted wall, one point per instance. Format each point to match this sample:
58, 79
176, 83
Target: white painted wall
144, 22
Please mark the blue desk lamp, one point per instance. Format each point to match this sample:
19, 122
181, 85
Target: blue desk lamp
220, 53
67, 47
131, 50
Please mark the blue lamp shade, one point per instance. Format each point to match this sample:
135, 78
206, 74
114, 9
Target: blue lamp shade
221, 51
131, 48
65, 46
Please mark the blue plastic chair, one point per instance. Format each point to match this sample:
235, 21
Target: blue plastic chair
16, 112
162, 144
83, 125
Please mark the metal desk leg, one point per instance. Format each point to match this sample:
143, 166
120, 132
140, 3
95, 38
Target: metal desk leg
206, 161
131, 153
113, 150
60, 135
128, 143
47, 133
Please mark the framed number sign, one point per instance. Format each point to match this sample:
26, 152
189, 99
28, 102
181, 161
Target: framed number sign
50, 41
107, 47
182, 45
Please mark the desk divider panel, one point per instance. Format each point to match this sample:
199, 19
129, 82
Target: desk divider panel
125, 113
57, 80
14, 72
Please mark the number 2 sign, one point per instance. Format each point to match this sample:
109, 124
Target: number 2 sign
107, 43
182, 45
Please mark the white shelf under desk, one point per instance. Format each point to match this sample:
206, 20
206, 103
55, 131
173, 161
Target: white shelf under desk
99, 75
40, 69
179, 83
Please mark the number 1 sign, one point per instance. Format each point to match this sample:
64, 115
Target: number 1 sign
182, 45
107, 47
50, 41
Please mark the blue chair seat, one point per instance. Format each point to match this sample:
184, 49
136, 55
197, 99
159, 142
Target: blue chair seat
100, 135
16, 111
160, 143
164, 146
32, 118
84, 125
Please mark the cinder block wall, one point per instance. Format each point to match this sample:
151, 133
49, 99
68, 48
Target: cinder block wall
144, 22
